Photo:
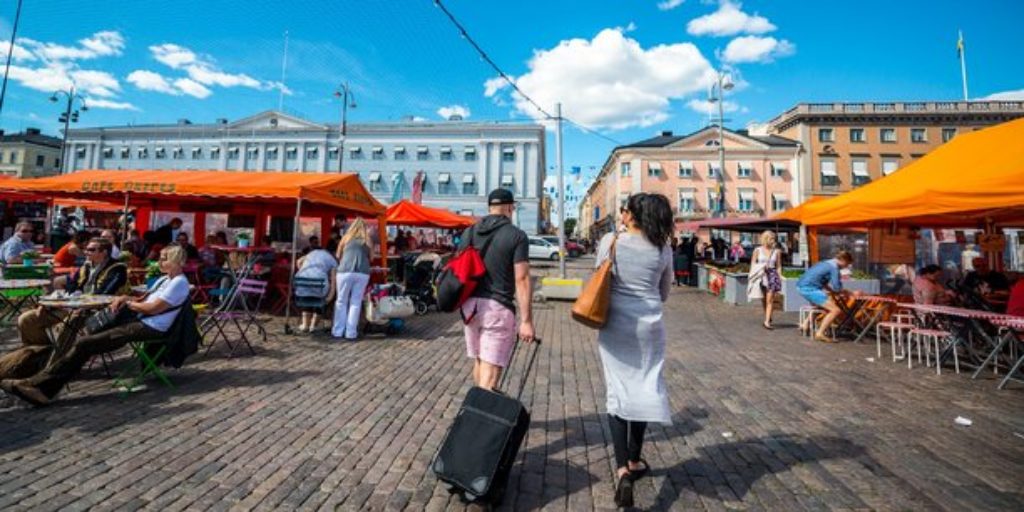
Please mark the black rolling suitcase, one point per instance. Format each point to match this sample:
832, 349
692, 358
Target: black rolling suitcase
479, 449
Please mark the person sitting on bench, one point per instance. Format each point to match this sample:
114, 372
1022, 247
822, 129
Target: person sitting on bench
154, 316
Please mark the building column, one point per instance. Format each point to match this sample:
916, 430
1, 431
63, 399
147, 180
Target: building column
261, 160
323, 156
243, 155
223, 164
483, 168
526, 185
282, 154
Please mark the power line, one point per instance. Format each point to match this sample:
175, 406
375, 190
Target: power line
504, 76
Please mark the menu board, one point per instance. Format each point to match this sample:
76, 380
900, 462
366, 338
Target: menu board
887, 246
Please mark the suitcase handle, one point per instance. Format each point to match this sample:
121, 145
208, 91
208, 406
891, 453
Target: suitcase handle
526, 375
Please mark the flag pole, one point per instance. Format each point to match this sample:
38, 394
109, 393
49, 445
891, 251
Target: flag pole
963, 62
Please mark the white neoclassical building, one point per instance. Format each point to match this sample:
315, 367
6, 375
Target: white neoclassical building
460, 161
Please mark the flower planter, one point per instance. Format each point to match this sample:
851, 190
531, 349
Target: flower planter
243, 243
793, 301
702, 277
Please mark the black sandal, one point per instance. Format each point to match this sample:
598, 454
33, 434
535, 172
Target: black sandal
624, 491
637, 474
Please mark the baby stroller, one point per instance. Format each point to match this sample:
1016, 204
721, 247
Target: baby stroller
419, 286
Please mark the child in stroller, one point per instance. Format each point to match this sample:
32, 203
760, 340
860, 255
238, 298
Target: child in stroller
420, 285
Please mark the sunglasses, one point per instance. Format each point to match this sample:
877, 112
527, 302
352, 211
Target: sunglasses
92, 249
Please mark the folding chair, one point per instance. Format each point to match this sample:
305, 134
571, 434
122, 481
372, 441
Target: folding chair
244, 314
148, 362
310, 302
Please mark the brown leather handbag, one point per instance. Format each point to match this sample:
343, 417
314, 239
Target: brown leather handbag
591, 307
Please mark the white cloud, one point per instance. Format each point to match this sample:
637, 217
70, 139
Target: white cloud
1017, 95
95, 83
756, 49
630, 27
150, 81
101, 44
610, 81
192, 88
172, 55
668, 5
493, 85
729, 20
113, 105
20, 54
708, 108
46, 79
453, 110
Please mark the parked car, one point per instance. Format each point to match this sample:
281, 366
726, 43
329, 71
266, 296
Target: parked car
572, 248
541, 249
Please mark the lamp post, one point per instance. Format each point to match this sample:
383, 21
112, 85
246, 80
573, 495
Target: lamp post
722, 83
345, 93
68, 116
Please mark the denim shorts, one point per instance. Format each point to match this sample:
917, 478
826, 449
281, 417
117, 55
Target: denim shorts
815, 296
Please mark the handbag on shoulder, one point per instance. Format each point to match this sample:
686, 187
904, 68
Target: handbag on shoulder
591, 307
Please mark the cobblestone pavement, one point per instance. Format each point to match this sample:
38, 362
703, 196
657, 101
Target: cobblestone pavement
763, 421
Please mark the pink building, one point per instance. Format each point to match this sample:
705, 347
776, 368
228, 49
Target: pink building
759, 176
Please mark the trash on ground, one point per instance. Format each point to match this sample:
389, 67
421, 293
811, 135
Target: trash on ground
960, 420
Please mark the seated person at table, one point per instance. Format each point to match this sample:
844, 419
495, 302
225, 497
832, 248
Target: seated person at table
984, 280
928, 288
68, 255
815, 283
154, 316
1015, 306
21, 241
111, 236
209, 256
191, 252
100, 275
318, 264
134, 244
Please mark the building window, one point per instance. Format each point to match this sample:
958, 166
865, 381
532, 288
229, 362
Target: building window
778, 170
745, 169
378, 153
686, 201
508, 154
233, 152
470, 154
355, 152
56, 163
713, 202
79, 152
746, 200
332, 153
860, 172
918, 135
714, 170
159, 153
443, 181
399, 152
215, 152
653, 169
40, 160
252, 153
108, 152
624, 169
685, 169
375, 182
887, 135
712, 142
826, 135
142, 153
948, 133
829, 176
271, 153
422, 153
178, 153
469, 183
446, 153
126, 152
889, 166
779, 202
857, 135
291, 153
507, 182
312, 153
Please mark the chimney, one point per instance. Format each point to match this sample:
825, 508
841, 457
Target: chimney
222, 120
183, 121
666, 133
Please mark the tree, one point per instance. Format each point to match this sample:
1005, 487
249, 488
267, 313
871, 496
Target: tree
570, 226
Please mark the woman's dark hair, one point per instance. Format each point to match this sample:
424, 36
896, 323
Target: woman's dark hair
653, 215
929, 269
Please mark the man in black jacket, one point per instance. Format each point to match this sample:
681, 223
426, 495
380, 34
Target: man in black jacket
101, 275
168, 233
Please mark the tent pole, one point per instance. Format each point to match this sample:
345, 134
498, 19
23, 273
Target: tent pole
124, 214
291, 272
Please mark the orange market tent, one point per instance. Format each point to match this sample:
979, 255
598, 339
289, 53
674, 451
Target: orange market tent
407, 213
974, 180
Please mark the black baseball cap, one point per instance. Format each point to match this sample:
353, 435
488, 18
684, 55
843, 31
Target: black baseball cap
500, 196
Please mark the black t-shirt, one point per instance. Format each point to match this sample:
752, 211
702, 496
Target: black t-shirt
506, 246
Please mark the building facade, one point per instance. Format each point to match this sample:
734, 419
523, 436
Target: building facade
458, 162
846, 145
29, 155
758, 176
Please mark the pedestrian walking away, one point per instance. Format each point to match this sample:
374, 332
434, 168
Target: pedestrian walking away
632, 342
490, 312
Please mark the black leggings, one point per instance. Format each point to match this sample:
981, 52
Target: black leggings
627, 439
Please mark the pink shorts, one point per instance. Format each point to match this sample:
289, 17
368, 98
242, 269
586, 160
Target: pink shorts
491, 333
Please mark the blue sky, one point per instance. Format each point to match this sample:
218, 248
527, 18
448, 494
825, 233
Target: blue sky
628, 68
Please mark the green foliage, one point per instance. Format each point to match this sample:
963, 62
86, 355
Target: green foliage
153, 269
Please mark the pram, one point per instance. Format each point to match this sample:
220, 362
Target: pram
419, 286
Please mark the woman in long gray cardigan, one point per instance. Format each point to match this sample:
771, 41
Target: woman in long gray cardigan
632, 342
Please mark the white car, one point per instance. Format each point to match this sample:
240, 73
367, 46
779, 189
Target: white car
541, 249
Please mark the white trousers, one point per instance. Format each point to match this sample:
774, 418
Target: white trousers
348, 306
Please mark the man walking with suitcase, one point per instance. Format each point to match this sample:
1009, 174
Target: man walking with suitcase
490, 312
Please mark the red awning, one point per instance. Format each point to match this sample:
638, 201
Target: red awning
407, 213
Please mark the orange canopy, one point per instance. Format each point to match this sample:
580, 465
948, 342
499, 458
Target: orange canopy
407, 213
341, 191
975, 179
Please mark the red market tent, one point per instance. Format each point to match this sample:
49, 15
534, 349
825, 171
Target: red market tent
407, 213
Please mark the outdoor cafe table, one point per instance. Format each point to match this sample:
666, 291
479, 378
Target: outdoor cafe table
15, 294
862, 301
962, 323
72, 311
1013, 326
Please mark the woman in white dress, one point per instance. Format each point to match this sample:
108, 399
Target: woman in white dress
632, 342
765, 277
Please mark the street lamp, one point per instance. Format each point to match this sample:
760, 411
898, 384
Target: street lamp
348, 99
722, 83
69, 116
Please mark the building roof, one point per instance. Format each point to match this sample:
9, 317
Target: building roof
902, 111
666, 138
32, 138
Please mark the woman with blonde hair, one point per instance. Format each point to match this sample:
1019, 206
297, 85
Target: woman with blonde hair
352, 278
765, 277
